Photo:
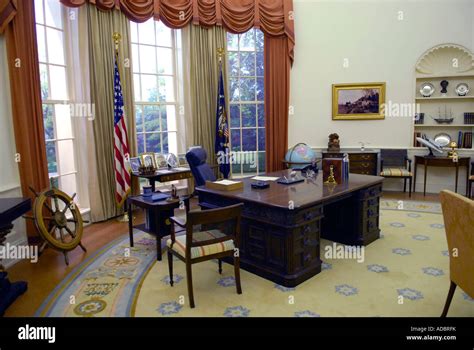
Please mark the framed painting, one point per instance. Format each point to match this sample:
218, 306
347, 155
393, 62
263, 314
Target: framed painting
362, 101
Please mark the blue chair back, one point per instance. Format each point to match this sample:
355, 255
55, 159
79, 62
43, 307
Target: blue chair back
202, 172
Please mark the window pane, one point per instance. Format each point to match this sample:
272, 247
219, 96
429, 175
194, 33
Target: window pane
153, 143
261, 114
149, 88
44, 81
40, 38
39, 11
66, 156
48, 122
235, 139
260, 89
170, 119
63, 121
166, 88
232, 42
234, 116
58, 83
234, 89
55, 46
236, 169
261, 139
136, 87
172, 140
249, 115
165, 144
247, 89
165, 61
68, 184
51, 156
234, 63
53, 14
247, 63
135, 59
147, 59
261, 162
164, 118
134, 32
260, 64
152, 118
249, 139
259, 40
249, 168
146, 32
163, 34
138, 119
140, 143
247, 41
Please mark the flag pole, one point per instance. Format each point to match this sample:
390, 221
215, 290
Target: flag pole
117, 38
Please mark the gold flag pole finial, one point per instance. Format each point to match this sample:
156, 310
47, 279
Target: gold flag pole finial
220, 53
117, 38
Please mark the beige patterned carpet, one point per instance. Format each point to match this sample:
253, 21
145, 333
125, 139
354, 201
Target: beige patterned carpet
405, 273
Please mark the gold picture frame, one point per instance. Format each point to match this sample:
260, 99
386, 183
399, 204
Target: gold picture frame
148, 159
359, 101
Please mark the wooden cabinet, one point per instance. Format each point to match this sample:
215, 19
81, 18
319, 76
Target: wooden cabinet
364, 163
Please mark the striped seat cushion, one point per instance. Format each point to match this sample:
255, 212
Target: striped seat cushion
179, 245
395, 172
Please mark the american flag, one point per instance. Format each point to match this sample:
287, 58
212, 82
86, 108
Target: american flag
122, 176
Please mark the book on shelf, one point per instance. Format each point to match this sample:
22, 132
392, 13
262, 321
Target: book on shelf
460, 139
467, 140
469, 118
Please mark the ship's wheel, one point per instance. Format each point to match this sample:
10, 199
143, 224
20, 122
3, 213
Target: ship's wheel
58, 220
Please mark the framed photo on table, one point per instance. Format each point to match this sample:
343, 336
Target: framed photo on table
362, 101
160, 160
135, 164
148, 159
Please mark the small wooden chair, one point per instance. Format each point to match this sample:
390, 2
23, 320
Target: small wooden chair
471, 180
396, 164
219, 242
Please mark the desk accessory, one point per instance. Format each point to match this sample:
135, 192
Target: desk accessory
336, 168
290, 181
147, 191
260, 185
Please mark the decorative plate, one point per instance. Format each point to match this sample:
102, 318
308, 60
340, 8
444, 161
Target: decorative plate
427, 89
442, 139
462, 89
172, 160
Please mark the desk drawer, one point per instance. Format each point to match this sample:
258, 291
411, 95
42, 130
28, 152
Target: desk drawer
175, 177
354, 157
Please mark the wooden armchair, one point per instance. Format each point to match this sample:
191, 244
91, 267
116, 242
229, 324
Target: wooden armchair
471, 180
219, 237
396, 164
458, 212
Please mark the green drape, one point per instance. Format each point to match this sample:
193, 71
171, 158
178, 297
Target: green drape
102, 26
204, 69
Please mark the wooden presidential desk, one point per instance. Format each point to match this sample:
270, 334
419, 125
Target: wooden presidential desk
282, 225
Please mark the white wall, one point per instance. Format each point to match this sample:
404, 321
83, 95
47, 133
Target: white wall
379, 47
9, 176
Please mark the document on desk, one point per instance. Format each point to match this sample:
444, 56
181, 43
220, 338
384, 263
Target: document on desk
265, 178
164, 171
181, 169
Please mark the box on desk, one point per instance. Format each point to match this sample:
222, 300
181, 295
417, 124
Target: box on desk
340, 169
225, 185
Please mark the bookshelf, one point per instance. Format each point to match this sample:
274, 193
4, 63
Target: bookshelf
454, 64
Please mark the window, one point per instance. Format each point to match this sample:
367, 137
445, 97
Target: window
59, 134
246, 92
155, 85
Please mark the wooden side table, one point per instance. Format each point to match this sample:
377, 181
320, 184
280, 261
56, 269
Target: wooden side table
428, 161
157, 215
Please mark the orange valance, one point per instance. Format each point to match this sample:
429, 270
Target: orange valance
273, 17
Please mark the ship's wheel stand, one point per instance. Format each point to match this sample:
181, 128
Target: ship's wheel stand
58, 220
